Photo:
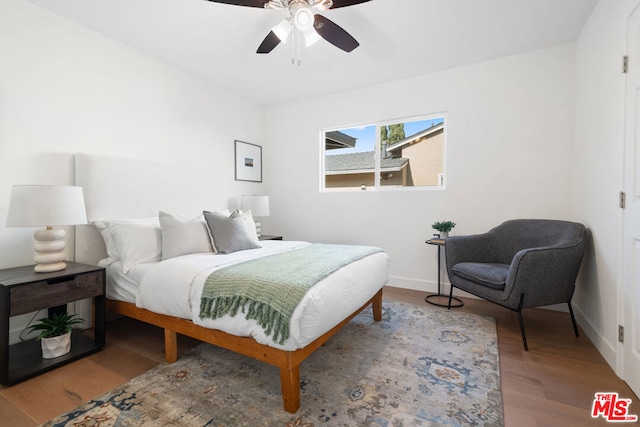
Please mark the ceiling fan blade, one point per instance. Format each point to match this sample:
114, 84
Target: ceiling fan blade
345, 3
248, 3
269, 43
334, 34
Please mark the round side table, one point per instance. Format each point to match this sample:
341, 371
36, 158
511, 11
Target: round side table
440, 299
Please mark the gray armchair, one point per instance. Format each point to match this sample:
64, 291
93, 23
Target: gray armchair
518, 264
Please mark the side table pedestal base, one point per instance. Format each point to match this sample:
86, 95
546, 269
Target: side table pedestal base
443, 300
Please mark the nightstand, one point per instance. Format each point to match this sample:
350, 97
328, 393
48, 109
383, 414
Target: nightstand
268, 237
24, 291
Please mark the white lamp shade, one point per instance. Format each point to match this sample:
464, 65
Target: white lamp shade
46, 205
311, 37
258, 205
282, 30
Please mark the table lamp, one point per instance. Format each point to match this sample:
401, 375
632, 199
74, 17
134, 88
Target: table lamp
47, 206
259, 207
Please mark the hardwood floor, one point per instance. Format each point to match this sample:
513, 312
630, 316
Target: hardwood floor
553, 384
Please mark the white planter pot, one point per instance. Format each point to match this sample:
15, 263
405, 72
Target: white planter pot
56, 346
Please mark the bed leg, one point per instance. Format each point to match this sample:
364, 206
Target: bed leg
290, 383
170, 346
376, 305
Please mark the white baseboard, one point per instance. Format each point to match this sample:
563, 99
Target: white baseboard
426, 286
605, 347
413, 284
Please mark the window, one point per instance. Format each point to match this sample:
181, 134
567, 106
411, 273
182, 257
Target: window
399, 154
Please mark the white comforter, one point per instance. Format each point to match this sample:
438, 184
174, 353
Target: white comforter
173, 287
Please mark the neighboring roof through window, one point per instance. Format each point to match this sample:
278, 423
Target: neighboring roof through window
360, 162
336, 139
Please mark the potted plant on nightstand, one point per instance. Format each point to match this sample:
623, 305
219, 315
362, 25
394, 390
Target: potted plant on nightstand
55, 334
444, 227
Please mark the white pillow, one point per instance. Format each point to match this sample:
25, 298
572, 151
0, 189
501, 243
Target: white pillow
136, 240
182, 236
248, 220
112, 250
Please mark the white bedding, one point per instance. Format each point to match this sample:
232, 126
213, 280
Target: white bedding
173, 287
123, 286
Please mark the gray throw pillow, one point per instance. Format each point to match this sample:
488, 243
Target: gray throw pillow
230, 234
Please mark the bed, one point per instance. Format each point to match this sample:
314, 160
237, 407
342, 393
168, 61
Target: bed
156, 275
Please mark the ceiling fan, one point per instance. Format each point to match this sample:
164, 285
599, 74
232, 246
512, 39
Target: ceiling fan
303, 18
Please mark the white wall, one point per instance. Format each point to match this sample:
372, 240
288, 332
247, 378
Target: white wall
600, 106
66, 89
509, 137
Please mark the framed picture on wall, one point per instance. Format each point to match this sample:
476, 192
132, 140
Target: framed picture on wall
248, 162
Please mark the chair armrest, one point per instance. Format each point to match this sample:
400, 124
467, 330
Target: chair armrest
546, 275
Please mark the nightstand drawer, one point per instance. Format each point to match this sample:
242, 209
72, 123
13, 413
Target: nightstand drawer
56, 291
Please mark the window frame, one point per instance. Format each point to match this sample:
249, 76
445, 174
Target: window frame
377, 156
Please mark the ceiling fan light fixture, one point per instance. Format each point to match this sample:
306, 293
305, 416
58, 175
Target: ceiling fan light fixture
302, 22
282, 30
303, 18
321, 4
276, 4
311, 37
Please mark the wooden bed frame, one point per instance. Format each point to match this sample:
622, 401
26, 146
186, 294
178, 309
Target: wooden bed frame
108, 193
288, 361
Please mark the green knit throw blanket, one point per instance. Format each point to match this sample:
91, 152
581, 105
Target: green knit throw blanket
268, 289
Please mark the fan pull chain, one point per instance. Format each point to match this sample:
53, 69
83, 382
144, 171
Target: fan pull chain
293, 47
296, 42
299, 47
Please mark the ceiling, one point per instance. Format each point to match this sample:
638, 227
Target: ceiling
398, 39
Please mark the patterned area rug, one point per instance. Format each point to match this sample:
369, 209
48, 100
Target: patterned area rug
419, 366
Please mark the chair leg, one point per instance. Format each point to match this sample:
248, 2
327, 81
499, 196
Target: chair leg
573, 320
521, 321
524, 337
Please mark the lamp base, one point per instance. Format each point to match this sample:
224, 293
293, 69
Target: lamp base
49, 245
50, 268
258, 228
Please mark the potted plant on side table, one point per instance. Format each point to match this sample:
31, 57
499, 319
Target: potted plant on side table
55, 333
444, 227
